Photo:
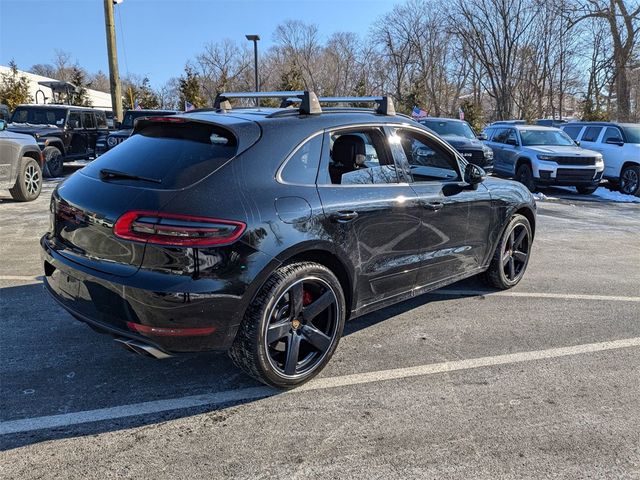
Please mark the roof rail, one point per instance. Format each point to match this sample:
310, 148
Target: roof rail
384, 104
308, 100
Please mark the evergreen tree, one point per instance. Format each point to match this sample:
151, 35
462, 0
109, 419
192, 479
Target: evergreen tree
14, 88
79, 79
473, 115
147, 98
190, 88
591, 113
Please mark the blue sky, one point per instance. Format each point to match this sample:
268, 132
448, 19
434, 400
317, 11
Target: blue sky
156, 37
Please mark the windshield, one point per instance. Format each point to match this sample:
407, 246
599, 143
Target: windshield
632, 133
39, 116
545, 137
461, 129
177, 154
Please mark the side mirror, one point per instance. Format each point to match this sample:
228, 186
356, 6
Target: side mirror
3, 125
474, 175
482, 136
577, 142
614, 141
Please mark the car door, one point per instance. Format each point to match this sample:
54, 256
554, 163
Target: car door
91, 131
369, 211
455, 219
511, 151
78, 144
611, 145
8, 153
497, 144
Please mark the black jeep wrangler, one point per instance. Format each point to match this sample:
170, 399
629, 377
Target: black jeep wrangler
124, 129
63, 132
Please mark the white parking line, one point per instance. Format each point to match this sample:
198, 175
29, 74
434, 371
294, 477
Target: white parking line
565, 296
153, 407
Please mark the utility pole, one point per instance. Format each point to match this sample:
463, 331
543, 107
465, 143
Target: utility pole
112, 51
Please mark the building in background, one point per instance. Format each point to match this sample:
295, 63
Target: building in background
41, 90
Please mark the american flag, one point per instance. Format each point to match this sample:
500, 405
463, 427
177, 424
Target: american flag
136, 105
461, 113
418, 113
188, 106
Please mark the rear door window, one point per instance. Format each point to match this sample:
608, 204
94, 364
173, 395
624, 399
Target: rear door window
88, 120
591, 134
176, 154
302, 166
573, 131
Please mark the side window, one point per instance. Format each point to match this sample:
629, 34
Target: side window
302, 166
101, 119
74, 120
358, 157
573, 131
88, 120
428, 161
512, 138
591, 134
500, 135
612, 134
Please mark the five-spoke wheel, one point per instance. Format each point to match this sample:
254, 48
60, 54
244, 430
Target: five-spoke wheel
293, 326
512, 254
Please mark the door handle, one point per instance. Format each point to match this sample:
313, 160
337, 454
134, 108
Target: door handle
343, 217
434, 206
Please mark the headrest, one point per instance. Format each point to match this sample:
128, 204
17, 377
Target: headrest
349, 150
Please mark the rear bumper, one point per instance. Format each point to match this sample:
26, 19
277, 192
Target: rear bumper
108, 302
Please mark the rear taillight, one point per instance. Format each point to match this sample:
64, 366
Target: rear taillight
177, 230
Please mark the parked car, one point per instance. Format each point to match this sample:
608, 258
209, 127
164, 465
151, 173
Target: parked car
460, 135
538, 156
110, 140
619, 145
4, 112
63, 132
260, 231
551, 122
509, 122
20, 165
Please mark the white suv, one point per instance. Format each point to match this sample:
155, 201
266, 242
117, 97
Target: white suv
619, 144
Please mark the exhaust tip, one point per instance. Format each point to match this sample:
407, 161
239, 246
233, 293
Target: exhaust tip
143, 349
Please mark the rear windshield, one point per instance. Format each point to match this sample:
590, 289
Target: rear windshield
176, 154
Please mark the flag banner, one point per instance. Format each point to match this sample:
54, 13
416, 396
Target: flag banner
188, 106
418, 113
461, 113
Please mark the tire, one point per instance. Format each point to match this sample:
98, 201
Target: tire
53, 162
525, 176
512, 252
29, 182
630, 180
584, 190
280, 347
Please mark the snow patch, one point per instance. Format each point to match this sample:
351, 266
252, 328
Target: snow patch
609, 196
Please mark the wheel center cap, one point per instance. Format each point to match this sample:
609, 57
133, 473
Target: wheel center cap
296, 324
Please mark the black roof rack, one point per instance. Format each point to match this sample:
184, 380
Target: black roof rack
384, 104
308, 100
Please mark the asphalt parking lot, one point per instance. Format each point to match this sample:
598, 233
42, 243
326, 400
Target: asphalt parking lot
542, 381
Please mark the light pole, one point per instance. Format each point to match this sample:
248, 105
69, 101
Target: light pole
254, 39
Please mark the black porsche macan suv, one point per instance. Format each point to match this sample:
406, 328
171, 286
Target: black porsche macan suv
260, 231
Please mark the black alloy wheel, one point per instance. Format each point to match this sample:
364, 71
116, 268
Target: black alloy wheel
53, 166
301, 328
292, 328
511, 257
630, 180
525, 176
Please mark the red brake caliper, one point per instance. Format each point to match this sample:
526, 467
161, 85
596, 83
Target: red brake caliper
307, 299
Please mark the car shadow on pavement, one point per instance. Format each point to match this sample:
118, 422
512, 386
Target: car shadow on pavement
52, 364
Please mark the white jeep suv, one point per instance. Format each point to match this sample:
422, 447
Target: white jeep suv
619, 144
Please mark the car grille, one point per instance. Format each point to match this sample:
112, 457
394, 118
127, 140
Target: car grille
474, 156
563, 174
575, 160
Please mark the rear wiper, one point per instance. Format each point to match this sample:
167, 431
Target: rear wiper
107, 174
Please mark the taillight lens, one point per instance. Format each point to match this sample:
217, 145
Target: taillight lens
170, 331
177, 230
